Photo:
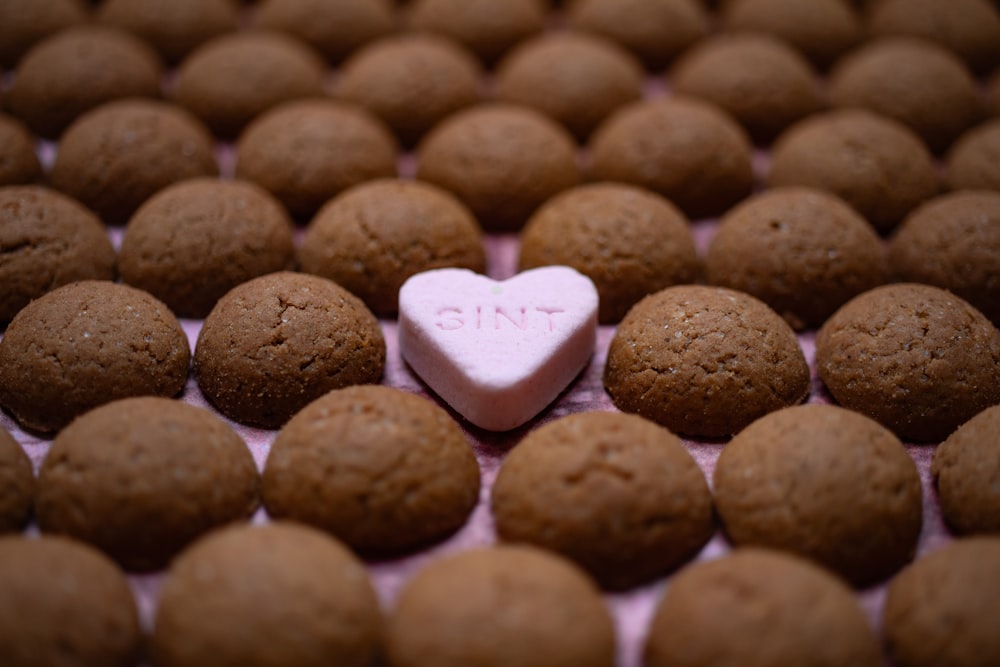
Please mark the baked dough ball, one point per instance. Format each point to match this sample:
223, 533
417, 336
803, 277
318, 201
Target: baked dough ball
18, 160
230, 80
24, 23
507, 606
942, 610
140, 478
276, 343
411, 82
86, 344
54, 241
63, 603
654, 30
194, 241
825, 483
875, 164
502, 161
965, 467
916, 358
974, 160
803, 252
173, 28
689, 151
116, 156
17, 479
486, 27
308, 151
373, 237
953, 242
335, 28
279, 595
629, 241
704, 361
574, 78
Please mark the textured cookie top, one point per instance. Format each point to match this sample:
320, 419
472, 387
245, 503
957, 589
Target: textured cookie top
966, 469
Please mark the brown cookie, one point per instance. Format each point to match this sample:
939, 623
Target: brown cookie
192, 242
915, 358
17, 479
49, 240
973, 163
141, 478
704, 361
173, 28
308, 151
615, 493
335, 29
86, 344
654, 30
486, 27
953, 242
63, 603
18, 160
231, 79
279, 595
411, 82
276, 343
690, 152
877, 165
803, 252
79, 69
942, 610
507, 606
116, 156
502, 161
631, 242
574, 78
373, 237
825, 483
966, 468
24, 23
993, 94
383, 470
763, 83
748, 608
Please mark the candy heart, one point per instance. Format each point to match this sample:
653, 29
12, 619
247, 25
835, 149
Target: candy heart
498, 352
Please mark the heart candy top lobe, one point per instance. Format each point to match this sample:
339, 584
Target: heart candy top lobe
498, 352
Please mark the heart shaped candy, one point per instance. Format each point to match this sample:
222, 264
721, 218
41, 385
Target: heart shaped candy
498, 352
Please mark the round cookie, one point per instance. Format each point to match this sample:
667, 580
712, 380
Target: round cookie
922, 85
374, 236
308, 151
381, 469
875, 164
86, 344
18, 160
276, 343
141, 478
704, 361
942, 610
63, 603
486, 27
53, 241
684, 149
173, 28
654, 30
822, 30
278, 595
17, 479
915, 358
629, 241
763, 83
747, 608
824, 483
953, 242
411, 82
502, 161
574, 78
192, 242
116, 156
973, 163
79, 69
231, 79
334, 28
803, 252
965, 468
24, 23
615, 493
506, 606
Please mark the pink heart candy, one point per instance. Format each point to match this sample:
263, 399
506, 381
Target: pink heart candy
498, 352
